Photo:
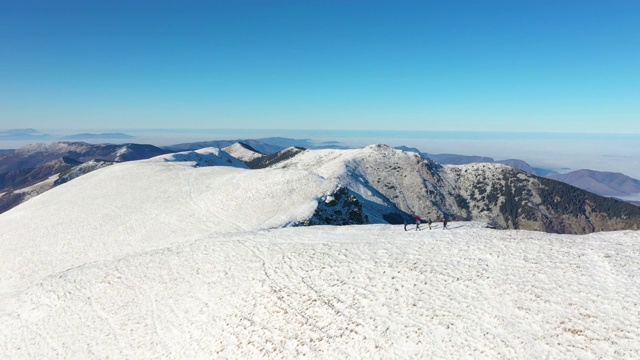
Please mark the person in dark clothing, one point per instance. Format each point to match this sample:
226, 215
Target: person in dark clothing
444, 224
405, 224
418, 221
429, 222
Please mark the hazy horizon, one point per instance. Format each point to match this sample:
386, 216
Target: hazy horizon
560, 152
525, 66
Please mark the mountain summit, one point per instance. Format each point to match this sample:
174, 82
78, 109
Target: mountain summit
394, 184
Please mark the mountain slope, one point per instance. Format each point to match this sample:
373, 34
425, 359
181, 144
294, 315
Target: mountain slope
398, 184
597, 182
600, 182
268, 160
385, 178
35, 155
25, 176
123, 208
204, 157
257, 145
514, 199
243, 152
36, 168
20, 185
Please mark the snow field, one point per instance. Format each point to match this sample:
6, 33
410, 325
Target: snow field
371, 291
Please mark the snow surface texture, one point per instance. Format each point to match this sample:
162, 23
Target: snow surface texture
165, 259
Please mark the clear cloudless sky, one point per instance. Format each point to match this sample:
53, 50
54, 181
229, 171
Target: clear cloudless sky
545, 66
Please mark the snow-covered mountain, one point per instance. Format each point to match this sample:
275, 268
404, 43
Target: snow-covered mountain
20, 185
243, 152
35, 155
204, 157
268, 160
36, 168
394, 184
80, 170
25, 176
171, 258
257, 145
140, 196
379, 184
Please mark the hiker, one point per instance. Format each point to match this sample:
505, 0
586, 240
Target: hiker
405, 224
429, 223
418, 223
444, 223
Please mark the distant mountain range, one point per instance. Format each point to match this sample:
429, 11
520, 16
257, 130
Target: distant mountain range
101, 136
24, 134
600, 182
33, 169
35, 135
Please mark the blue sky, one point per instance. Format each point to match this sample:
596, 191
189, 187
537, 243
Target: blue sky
509, 66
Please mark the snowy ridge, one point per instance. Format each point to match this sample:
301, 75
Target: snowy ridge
80, 170
204, 157
243, 152
394, 184
60, 147
400, 181
130, 207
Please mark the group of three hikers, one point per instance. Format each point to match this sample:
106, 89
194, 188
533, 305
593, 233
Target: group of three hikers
419, 221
